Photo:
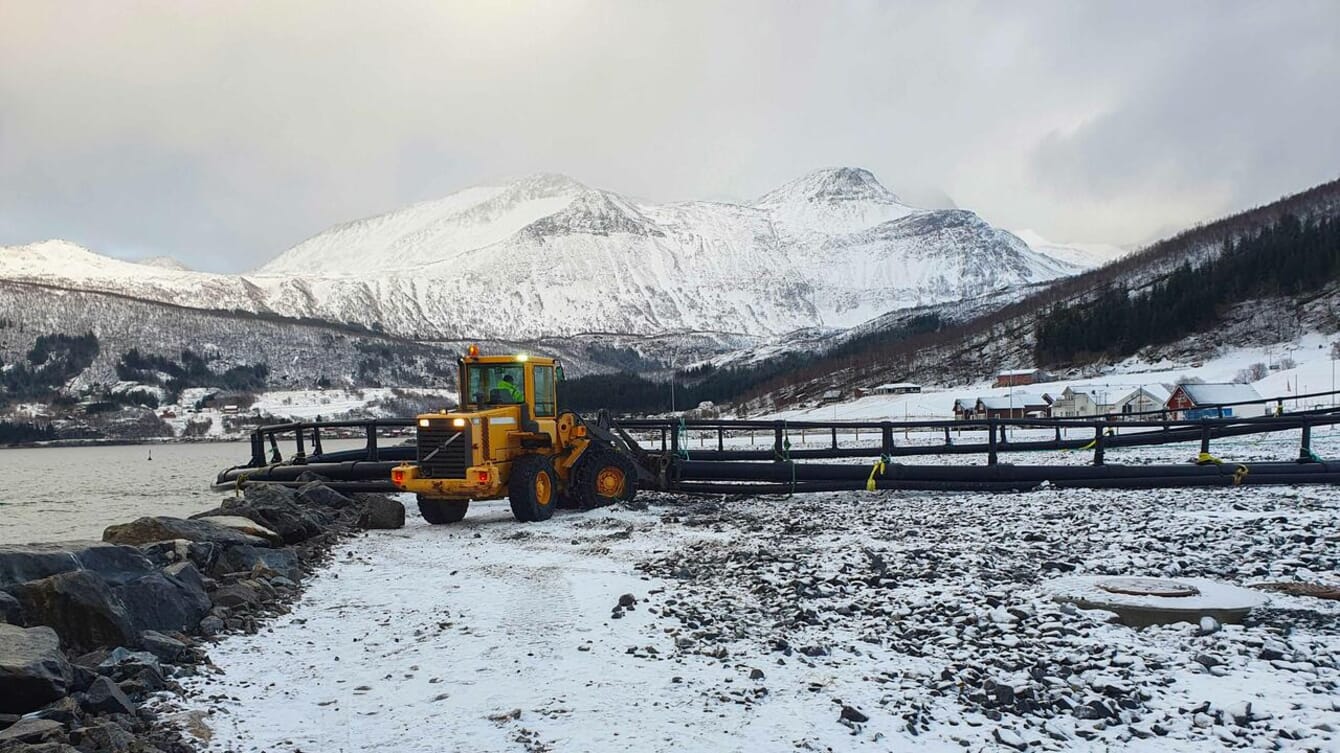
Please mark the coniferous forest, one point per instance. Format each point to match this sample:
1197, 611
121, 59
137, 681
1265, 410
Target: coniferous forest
1289, 257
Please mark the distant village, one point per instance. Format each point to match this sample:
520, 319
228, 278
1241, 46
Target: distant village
1184, 401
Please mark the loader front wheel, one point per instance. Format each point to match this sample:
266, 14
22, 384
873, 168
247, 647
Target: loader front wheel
533, 488
443, 511
602, 477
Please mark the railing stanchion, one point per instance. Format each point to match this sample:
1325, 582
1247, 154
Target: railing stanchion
991, 442
372, 442
300, 454
316, 440
1098, 445
1305, 454
257, 449
886, 438
1204, 438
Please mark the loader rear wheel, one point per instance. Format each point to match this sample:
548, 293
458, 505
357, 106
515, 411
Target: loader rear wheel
602, 477
443, 511
533, 488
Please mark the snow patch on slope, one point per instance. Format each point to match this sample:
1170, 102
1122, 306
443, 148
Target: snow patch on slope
1087, 255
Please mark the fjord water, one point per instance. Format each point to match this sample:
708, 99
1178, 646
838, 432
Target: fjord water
69, 493
65, 493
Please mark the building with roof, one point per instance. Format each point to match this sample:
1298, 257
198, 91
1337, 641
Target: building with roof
964, 408
1077, 403
1017, 405
1146, 398
896, 388
1196, 401
1019, 377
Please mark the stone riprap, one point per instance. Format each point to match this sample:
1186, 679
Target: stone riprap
92, 630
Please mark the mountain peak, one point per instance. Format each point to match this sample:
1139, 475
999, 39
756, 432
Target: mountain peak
831, 185
545, 184
164, 262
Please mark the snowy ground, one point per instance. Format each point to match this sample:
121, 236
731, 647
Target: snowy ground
758, 620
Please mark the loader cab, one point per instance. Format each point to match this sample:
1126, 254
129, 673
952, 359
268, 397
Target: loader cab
482, 384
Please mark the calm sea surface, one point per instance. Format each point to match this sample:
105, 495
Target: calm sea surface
56, 494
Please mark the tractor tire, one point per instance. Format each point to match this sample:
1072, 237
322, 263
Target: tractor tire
533, 488
603, 476
443, 511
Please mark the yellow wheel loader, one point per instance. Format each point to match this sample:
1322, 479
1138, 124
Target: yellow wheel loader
509, 439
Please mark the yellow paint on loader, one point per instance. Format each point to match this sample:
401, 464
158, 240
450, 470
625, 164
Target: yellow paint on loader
469, 454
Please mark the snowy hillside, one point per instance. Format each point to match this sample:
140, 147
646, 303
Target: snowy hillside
546, 255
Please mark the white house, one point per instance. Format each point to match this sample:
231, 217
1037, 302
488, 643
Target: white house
896, 388
1075, 403
1144, 399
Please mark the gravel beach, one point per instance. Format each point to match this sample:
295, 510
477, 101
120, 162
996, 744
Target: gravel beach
826, 622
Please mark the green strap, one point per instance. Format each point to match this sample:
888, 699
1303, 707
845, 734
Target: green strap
683, 433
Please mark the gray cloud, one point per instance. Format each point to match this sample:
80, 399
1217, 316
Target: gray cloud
222, 134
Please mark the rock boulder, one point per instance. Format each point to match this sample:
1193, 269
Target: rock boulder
81, 607
278, 509
31, 731
163, 528
104, 697
381, 512
245, 525
245, 559
11, 611
20, 563
317, 494
159, 601
33, 671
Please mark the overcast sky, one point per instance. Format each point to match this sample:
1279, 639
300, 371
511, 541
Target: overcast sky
222, 133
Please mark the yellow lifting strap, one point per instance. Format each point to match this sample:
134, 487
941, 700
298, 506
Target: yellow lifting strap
878, 468
1206, 458
1089, 446
1239, 474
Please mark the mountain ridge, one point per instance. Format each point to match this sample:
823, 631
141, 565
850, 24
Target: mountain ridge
546, 255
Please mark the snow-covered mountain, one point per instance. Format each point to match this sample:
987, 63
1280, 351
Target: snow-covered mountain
164, 262
546, 255
1082, 254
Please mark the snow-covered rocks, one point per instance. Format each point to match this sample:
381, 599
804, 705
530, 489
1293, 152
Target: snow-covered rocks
757, 621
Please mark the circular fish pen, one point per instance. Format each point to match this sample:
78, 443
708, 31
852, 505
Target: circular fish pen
1141, 602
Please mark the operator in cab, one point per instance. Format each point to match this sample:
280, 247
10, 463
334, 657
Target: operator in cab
510, 392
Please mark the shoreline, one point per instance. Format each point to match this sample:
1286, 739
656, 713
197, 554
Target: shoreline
119, 442
95, 634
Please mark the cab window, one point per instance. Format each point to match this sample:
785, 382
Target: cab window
546, 403
484, 384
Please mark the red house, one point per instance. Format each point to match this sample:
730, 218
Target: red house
1196, 401
1019, 377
